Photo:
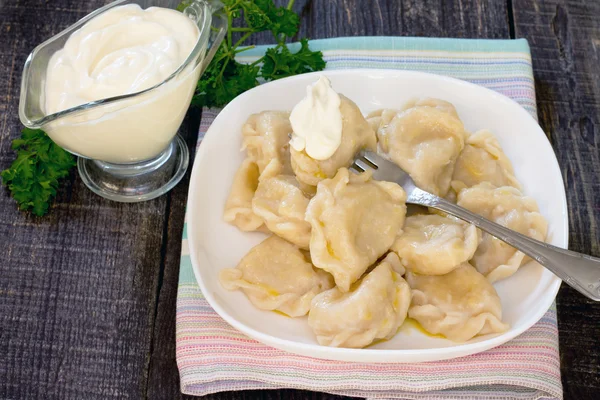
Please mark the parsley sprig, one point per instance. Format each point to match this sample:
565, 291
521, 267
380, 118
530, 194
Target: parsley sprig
34, 176
225, 78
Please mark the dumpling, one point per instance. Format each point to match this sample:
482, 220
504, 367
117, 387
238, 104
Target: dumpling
385, 115
354, 220
374, 309
508, 207
374, 122
377, 117
276, 275
425, 142
435, 245
238, 208
266, 137
482, 160
459, 305
441, 105
356, 135
280, 202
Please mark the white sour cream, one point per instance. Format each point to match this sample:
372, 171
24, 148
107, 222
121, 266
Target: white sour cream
317, 121
124, 50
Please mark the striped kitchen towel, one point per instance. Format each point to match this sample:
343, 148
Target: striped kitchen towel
214, 357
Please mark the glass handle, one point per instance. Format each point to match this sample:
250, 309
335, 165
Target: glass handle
218, 29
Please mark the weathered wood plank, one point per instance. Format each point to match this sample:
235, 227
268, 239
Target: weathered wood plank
464, 19
565, 42
432, 18
320, 19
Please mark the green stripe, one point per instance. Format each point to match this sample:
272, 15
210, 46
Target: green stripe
186, 272
184, 234
410, 43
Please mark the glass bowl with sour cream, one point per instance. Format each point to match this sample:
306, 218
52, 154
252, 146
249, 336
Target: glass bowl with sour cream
113, 89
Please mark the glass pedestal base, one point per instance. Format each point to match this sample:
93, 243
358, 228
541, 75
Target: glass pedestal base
137, 182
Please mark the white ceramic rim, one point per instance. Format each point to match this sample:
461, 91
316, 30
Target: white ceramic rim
386, 355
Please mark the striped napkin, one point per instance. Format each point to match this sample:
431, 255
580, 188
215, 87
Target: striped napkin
212, 356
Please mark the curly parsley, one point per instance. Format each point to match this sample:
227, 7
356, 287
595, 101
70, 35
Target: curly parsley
34, 176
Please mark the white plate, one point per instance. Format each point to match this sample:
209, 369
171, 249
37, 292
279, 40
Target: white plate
215, 245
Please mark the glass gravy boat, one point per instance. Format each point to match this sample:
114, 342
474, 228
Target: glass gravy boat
128, 146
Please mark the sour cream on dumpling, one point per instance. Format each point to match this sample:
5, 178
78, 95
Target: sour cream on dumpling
317, 121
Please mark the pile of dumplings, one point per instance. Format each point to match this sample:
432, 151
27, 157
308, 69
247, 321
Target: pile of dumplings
342, 248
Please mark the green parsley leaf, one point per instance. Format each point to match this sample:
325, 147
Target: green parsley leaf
286, 23
183, 5
283, 22
256, 18
33, 177
279, 62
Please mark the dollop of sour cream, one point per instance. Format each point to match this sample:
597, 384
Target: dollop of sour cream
317, 121
123, 50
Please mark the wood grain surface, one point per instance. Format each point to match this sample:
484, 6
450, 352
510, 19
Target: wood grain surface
565, 44
87, 293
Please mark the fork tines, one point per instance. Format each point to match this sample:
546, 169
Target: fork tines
366, 160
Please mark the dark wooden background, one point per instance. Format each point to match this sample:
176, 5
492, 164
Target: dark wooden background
87, 293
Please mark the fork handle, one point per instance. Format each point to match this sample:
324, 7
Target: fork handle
580, 271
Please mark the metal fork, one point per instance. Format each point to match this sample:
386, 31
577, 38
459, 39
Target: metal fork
580, 271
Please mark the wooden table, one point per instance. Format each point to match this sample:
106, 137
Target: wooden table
87, 293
